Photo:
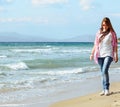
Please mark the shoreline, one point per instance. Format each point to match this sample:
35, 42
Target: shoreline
94, 100
69, 92
91, 95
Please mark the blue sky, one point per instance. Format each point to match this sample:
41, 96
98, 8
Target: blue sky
58, 19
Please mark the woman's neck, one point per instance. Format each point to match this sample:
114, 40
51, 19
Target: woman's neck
104, 30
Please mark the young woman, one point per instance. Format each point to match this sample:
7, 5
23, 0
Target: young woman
104, 51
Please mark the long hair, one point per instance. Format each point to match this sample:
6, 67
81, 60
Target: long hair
108, 23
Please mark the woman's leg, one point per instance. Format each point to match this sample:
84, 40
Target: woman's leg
104, 66
105, 73
100, 62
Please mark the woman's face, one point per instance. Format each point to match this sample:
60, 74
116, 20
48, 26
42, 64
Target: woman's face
104, 26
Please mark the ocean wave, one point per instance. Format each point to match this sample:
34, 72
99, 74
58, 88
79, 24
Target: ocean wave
2, 74
14, 66
3, 56
65, 71
72, 50
17, 66
31, 50
52, 49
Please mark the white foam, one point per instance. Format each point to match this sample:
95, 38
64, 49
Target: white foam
32, 50
17, 66
62, 72
74, 50
3, 56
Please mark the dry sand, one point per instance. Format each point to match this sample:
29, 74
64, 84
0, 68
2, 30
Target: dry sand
94, 100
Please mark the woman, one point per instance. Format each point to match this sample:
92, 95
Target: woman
104, 51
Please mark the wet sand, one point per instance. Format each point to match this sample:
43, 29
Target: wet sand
94, 100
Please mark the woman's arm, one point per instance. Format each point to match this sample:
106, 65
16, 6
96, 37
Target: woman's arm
92, 53
115, 47
116, 54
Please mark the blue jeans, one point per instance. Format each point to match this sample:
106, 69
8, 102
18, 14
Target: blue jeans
104, 63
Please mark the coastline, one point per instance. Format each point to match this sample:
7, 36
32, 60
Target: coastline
80, 94
93, 99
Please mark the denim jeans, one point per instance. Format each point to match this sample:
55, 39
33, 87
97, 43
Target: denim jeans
104, 63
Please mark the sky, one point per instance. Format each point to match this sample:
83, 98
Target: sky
57, 19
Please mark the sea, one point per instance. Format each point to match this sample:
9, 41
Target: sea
31, 70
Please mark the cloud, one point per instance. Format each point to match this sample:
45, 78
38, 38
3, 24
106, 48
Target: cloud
15, 19
9, 1
6, 1
45, 2
3, 3
37, 20
86, 4
24, 19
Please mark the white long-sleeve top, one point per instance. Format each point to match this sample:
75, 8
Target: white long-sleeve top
105, 46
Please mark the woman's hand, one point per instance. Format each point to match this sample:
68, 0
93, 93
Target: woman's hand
116, 58
91, 57
92, 53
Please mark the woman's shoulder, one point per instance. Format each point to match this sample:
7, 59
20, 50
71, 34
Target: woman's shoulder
113, 34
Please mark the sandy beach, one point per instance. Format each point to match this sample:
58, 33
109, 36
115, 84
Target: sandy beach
80, 94
94, 100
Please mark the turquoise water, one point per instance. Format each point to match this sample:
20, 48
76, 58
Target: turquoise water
30, 69
44, 55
